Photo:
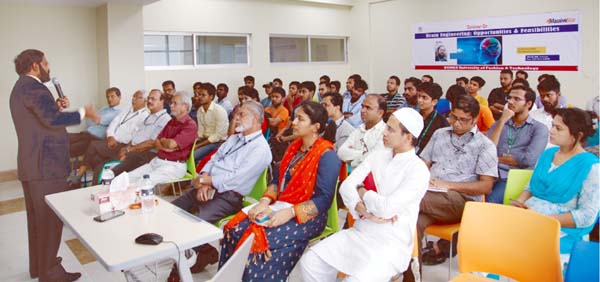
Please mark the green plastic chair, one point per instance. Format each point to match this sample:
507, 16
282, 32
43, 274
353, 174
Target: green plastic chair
257, 192
515, 183
110, 164
190, 173
332, 219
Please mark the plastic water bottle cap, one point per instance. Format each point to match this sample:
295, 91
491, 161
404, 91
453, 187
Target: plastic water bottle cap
146, 176
106, 167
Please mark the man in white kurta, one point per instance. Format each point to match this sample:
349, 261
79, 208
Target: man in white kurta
380, 243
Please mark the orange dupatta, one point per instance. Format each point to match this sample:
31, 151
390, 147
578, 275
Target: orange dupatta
298, 190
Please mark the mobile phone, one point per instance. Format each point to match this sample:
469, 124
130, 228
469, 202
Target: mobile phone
109, 215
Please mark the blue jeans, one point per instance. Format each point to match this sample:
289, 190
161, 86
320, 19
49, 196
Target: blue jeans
497, 195
203, 151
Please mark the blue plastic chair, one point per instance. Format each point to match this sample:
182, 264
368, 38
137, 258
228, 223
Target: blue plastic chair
583, 264
443, 106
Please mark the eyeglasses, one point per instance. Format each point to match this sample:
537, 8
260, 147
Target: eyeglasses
454, 118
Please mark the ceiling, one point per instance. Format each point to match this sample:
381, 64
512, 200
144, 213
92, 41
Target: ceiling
88, 3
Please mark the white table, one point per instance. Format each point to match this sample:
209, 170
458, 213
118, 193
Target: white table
113, 242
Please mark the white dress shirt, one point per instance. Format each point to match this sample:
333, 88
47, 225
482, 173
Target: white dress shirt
125, 124
226, 104
372, 251
150, 127
213, 123
361, 142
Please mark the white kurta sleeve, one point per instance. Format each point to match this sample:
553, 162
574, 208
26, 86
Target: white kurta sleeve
348, 189
410, 190
348, 152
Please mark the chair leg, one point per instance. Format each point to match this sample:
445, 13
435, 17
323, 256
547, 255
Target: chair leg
450, 258
179, 186
173, 188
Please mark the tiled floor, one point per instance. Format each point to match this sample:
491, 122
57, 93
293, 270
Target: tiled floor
14, 262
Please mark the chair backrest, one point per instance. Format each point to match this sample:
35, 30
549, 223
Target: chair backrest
191, 164
443, 106
233, 269
515, 183
583, 263
332, 213
259, 187
513, 242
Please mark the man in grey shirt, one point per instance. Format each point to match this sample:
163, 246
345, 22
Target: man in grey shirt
519, 138
333, 104
463, 166
229, 176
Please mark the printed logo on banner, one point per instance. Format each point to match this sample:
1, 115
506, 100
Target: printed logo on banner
559, 21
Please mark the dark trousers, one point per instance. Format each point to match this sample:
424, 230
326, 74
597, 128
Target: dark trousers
44, 228
79, 142
437, 208
133, 160
97, 154
221, 205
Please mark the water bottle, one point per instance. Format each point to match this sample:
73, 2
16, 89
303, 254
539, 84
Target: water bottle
107, 176
148, 199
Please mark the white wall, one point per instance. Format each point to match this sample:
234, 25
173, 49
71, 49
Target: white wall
390, 40
258, 18
68, 37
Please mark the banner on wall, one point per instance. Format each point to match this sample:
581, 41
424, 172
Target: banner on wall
539, 42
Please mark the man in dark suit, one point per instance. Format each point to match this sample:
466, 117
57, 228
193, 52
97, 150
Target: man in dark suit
43, 159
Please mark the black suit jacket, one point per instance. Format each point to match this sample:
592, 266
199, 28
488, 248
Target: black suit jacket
43, 143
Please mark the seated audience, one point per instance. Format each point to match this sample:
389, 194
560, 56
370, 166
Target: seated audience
429, 95
293, 99
212, 123
522, 82
380, 243
519, 139
141, 149
119, 133
168, 87
195, 101
277, 82
562, 100
549, 90
367, 137
245, 93
279, 115
475, 85
522, 74
462, 162
306, 180
454, 91
323, 88
427, 78
266, 102
410, 92
341, 127
498, 96
353, 101
249, 81
222, 90
173, 144
564, 184
394, 99
485, 120
335, 86
79, 142
462, 82
230, 174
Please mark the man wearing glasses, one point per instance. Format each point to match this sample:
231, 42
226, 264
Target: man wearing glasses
141, 148
173, 144
463, 165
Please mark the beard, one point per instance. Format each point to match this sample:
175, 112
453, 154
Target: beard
44, 75
241, 127
549, 107
412, 100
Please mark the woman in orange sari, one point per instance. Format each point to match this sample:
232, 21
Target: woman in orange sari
306, 180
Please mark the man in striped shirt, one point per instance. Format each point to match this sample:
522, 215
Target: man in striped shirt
395, 100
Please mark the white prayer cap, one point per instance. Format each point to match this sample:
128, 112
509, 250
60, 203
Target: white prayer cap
411, 120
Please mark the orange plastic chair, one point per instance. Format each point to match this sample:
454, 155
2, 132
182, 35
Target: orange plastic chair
516, 243
446, 232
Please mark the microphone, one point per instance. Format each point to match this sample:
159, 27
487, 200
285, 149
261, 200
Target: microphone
58, 88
